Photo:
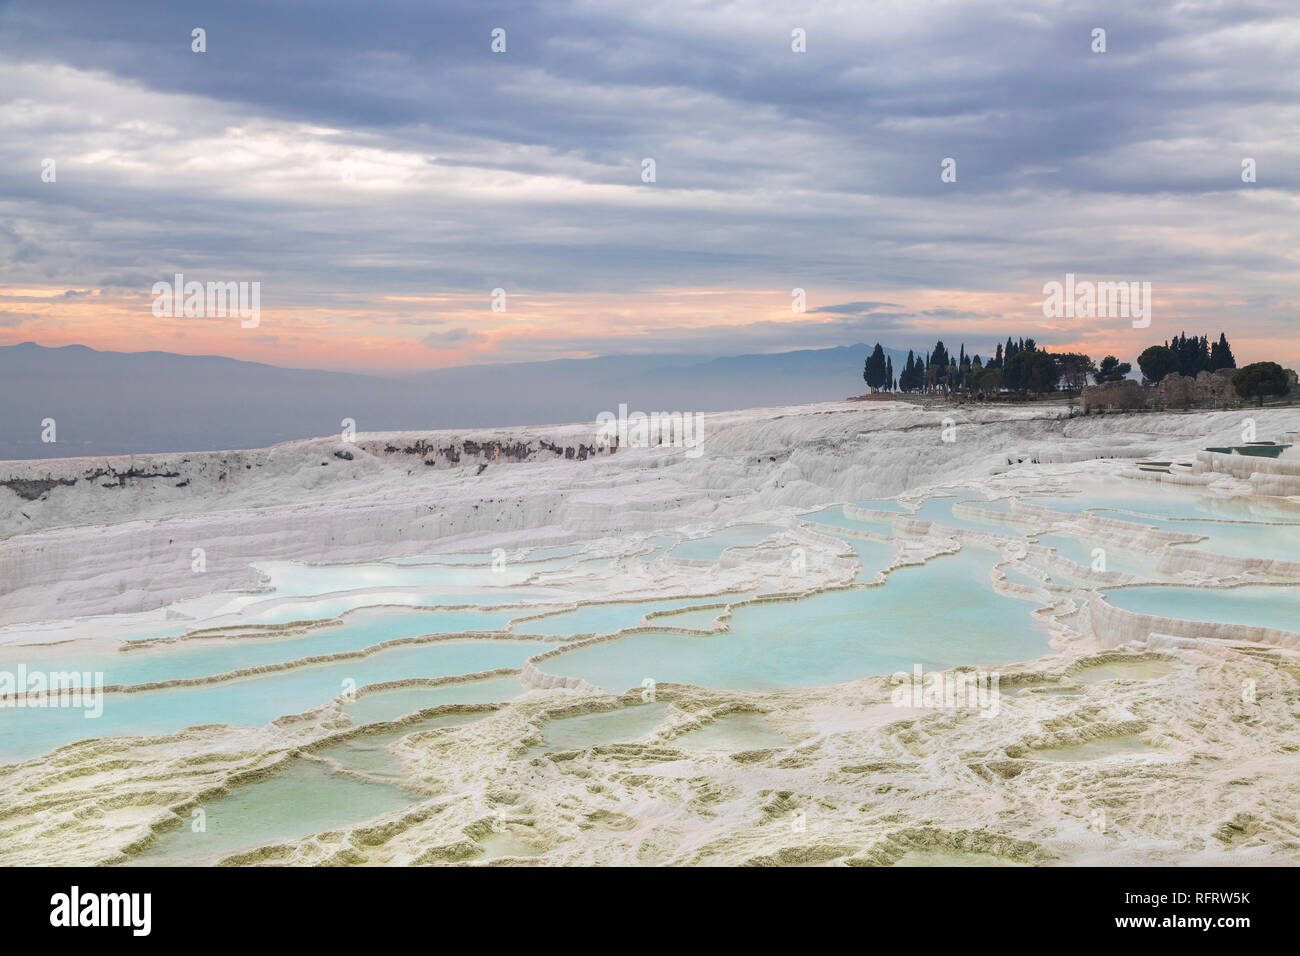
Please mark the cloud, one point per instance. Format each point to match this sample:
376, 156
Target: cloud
387, 152
452, 337
856, 308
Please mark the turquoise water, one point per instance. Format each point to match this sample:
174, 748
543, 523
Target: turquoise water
305, 798
250, 701
1019, 577
391, 704
1170, 501
658, 545
834, 517
615, 726
1256, 605
1280, 541
599, 618
989, 520
733, 732
874, 556
883, 504
373, 754
701, 620
940, 510
1080, 551
204, 659
939, 615
1167, 501
710, 548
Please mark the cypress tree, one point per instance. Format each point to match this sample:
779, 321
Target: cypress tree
1221, 355
874, 371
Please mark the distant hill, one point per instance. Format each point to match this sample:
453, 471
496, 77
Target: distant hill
108, 403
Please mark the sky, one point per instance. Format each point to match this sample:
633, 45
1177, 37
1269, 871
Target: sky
379, 169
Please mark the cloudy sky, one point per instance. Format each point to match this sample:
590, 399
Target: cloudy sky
380, 170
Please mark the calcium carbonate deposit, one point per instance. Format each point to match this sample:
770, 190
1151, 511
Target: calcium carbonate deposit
831, 634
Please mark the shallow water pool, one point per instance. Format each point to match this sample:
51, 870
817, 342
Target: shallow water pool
710, 548
939, 510
600, 618
250, 701
1165, 501
734, 732
1080, 551
1277, 541
873, 556
615, 726
698, 620
202, 658
938, 615
834, 517
372, 754
305, 798
399, 701
1258, 605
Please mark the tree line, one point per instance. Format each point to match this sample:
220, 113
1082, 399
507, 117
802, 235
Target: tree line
1021, 366
1186, 357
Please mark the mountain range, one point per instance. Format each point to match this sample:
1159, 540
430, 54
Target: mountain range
109, 403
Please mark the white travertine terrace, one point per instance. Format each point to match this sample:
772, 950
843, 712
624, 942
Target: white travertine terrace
1177, 765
